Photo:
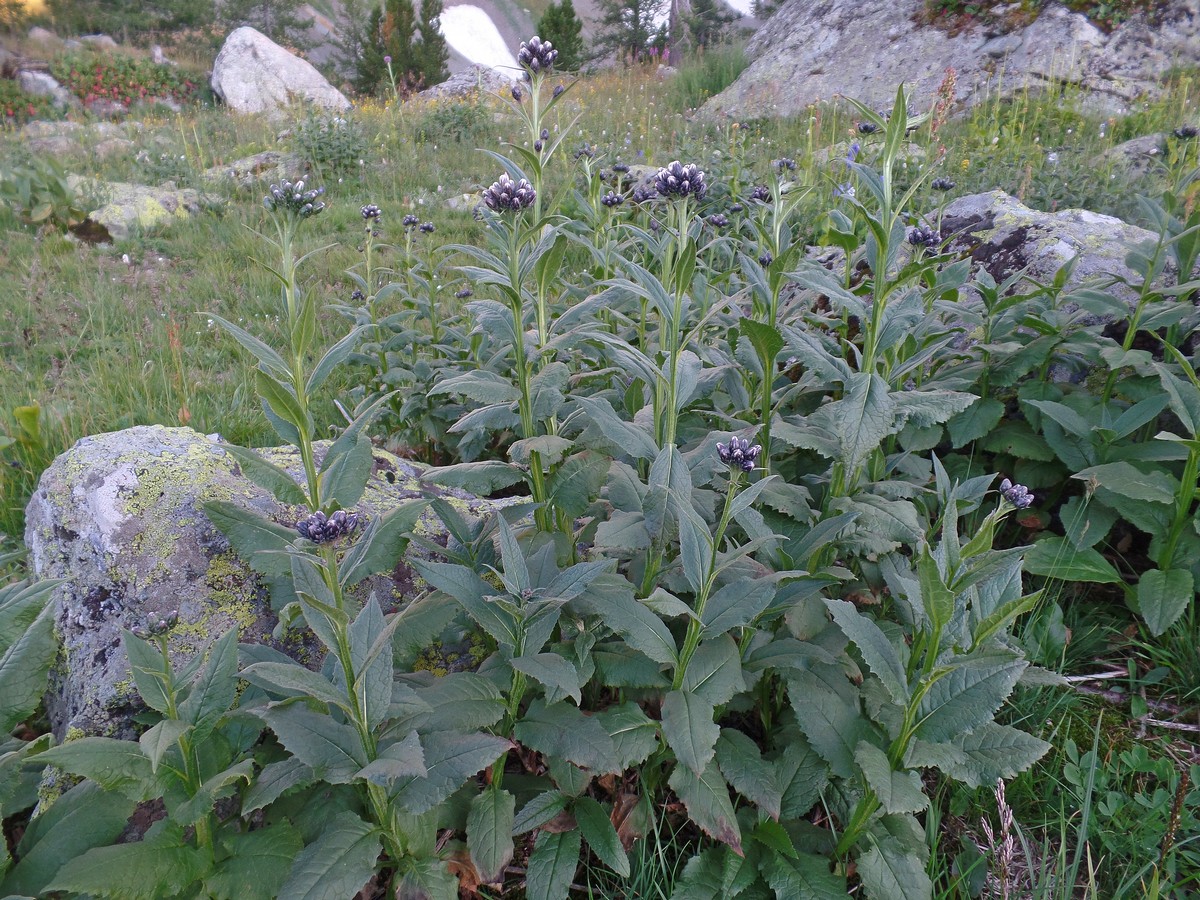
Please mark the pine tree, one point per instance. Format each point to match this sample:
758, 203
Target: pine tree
562, 27
431, 51
707, 22
415, 45
278, 19
627, 26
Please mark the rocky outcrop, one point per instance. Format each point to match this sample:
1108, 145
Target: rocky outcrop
125, 208
471, 83
1004, 236
121, 517
253, 74
813, 50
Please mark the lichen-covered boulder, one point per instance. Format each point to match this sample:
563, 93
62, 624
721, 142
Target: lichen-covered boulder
253, 74
121, 517
270, 166
1005, 236
125, 208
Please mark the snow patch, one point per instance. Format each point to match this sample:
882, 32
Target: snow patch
745, 7
471, 32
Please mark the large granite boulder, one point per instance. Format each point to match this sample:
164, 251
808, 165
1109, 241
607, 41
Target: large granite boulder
121, 517
253, 74
1004, 236
814, 50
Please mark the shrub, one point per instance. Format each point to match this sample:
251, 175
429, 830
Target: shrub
18, 107
125, 79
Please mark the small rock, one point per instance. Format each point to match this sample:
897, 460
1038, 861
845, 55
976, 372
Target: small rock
1137, 157
99, 41
113, 147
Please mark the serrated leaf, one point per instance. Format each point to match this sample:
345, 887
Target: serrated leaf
562, 731
212, 692
968, 695
1163, 596
84, 817
1129, 481
737, 603
160, 866
157, 740
553, 671
249, 534
688, 726
898, 792
257, 864
706, 799
552, 865
634, 734
333, 750
345, 470
450, 759
275, 780
806, 876
538, 811
213, 789
577, 482
597, 829
337, 864
989, 752
715, 671
400, 759
382, 545
751, 776
23, 669
114, 765
267, 475
489, 832
481, 478
293, 680
890, 871
1056, 557
974, 422
827, 708
877, 651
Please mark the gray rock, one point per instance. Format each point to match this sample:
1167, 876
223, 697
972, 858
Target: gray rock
123, 208
800, 56
470, 83
253, 74
1138, 157
121, 517
39, 35
40, 129
41, 84
261, 168
113, 147
1004, 236
99, 41
54, 146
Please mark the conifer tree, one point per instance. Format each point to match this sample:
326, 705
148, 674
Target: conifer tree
561, 26
628, 26
431, 51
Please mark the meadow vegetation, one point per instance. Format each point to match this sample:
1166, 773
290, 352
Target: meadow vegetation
824, 582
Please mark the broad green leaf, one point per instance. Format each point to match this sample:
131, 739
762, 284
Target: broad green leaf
159, 866
489, 832
936, 598
257, 864
1129, 481
891, 871
293, 680
270, 360
470, 590
553, 671
974, 422
1163, 596
23, 669
457, 700
84, 817
382, 545
1056, 557
482, 478
714, 874
223, 784
577, 482
877, 651
706, 799
561, 730
977, 759
737, 603
337, 864
641, 629
400, 759
688, 726
597, 828
862, 418
249, 534
806, 876
715, 671
213, 691
538, 811
281, 398
275, 780
157, 740
968, 695
479, 385
827, 708
428, 879
345, 470
371, 654
149, 670
634, 734
267, 475
20, 604
333, 750
767, 341
1086, 522
114, 765
552, 865
751, 776
898, 792
450, 759
550, 448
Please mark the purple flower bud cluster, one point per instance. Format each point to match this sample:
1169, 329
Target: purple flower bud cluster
620, 168
766, 259
679, 180
358, 296
536, 55
867, 128
612, 199
294, 199
156, 625
736, 208
371, 211
717, 220
942, 184
558, 91
321, 529
507, 194
463, 294
739, 453
409, 221
923, 236
1186, 132
516, 94
541, 141
585, 152
760, 194
641, 195
785, 163
1016, 494
426, 228
843, 191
